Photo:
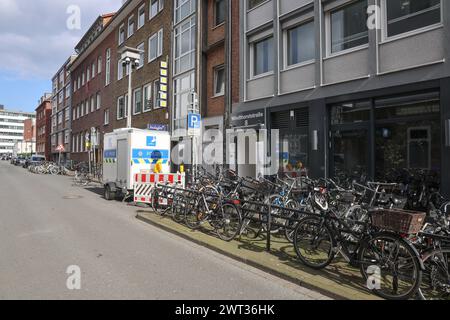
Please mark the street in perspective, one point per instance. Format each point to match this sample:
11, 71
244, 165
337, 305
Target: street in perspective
225, 151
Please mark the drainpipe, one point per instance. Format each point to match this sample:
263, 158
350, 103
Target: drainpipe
228, 90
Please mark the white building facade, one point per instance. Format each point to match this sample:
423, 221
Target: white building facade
12, 129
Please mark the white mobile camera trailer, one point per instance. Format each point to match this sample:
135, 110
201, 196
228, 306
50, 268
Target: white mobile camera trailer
128, 152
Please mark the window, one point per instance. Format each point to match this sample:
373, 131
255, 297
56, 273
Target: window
137, 101
141, 16
82, 109
263, 56
88, 74
66, 136
60, 118
99, 100
155, 7
156, 88
87, 106
121, 34
93, 70
408, 15
68, 91
349, 26
120, 108
147, 97
92, 104
108, 67
99, 65
155, 46
219, 81
254, 3
79, 82
142, 54
67, 115
184, 52
82, 79
106, 117
301, 44
219, 11
182, 89
183, 9
130, 26
119, 70
74, 114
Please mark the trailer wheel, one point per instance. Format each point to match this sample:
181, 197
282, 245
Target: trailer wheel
109, 195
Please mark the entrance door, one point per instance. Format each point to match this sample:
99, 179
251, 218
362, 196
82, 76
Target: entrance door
350, 154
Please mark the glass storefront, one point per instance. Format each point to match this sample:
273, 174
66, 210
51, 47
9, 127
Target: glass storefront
387, 139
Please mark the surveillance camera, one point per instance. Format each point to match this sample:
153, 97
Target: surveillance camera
137, 62
127, 60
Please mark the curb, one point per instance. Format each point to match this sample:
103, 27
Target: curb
328, 293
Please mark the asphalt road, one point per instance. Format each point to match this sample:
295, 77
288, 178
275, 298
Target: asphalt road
47, 225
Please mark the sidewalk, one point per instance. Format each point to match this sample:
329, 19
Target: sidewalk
339, 280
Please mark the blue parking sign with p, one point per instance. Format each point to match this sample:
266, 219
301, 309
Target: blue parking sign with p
194, 121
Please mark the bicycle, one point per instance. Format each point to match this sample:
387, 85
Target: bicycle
319, 239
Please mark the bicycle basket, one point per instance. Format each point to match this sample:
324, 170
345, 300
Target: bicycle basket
401, 221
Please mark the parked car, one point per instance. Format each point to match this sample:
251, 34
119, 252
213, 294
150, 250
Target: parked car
20, 161
34, 160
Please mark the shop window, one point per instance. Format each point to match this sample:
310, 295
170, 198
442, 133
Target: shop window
350, 112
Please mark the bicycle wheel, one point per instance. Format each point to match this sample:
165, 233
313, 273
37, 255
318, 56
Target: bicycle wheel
194, 213
393, 266
290, 225
313, 243
178, 208
435, 279
228, 222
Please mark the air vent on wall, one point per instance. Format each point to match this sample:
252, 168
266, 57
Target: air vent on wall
280, 120
302, 117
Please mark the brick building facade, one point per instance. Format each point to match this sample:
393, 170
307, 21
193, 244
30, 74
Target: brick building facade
43, 127
93, 75
61, 112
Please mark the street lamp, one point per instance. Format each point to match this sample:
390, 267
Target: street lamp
130, 58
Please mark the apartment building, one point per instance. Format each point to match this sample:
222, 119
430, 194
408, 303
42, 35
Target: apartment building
43, 126
92, 75
146, 26
61, 112
352, 93
12, 128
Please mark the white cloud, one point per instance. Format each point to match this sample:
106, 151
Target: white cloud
34, 38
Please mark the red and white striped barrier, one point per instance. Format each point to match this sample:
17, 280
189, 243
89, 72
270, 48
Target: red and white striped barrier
143, 184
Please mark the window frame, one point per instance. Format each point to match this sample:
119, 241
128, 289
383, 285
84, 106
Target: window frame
142, 59
215, 70
160, 4
252, 57
108, 67
328, 33
118, 106
286, 30
215, 15
122, 28
106, 119
98, 101
133, 22
135, 101
384, 34
139, 26
148, 86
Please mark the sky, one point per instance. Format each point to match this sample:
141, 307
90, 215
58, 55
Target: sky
36, 38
